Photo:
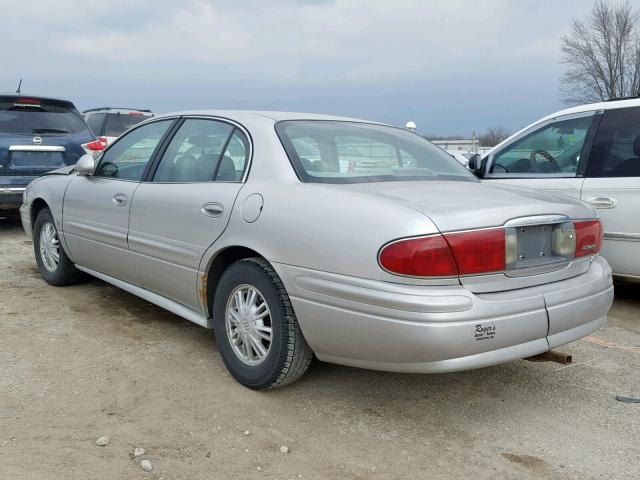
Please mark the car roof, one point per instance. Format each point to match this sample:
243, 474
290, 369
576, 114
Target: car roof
116, 110
39, 97
273, 115
608, 105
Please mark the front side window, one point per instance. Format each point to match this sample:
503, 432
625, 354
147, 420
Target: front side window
351, 152
616, 149
554, 148
203, 150
127, 158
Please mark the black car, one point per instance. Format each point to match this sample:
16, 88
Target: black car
37, 135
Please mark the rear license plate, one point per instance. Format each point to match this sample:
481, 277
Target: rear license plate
534, 246
23, 160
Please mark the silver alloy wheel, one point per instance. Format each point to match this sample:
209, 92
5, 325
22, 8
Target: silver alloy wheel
49, 247
248, 322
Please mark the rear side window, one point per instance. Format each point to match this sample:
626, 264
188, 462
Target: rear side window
33, 116
203, 150
616, 149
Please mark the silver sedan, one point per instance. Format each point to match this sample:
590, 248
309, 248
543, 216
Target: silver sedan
294, 235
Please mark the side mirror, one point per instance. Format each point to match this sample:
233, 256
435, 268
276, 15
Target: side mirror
474, 162
85, 165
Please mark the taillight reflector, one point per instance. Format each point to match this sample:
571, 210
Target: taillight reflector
480, 251
588, 237
428, 256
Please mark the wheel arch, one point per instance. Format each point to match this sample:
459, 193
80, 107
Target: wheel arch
209, 280
37, 205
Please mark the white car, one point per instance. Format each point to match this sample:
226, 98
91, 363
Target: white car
590, 152
109, 123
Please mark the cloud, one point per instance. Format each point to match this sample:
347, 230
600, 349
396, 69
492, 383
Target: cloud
286, 53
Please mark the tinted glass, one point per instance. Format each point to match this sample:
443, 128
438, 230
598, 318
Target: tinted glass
551, 149
616, 150
350, 152
118, 123
128, 157
38, 118
95, 120
194, 152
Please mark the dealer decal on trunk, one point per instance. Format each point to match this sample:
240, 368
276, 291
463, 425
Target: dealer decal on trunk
485, 332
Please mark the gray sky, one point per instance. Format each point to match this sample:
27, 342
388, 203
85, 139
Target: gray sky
450, 66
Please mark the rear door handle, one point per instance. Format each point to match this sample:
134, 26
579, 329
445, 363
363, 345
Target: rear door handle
603, 202
120, 199
213, 209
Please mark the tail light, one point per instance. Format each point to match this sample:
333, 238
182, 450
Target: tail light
428, 256
588, 237
481, 251
104, 142
94, 148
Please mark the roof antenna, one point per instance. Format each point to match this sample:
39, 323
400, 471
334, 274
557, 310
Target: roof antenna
19, 85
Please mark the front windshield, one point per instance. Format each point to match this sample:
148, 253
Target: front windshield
351, 152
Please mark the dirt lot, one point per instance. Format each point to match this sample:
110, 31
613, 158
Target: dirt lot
90, 360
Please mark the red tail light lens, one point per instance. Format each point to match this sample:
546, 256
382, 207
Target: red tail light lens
481, 251
419, 257
92, 147
103, 141
588, 238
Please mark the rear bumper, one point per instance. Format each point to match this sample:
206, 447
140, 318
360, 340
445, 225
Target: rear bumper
423, 329
10, 197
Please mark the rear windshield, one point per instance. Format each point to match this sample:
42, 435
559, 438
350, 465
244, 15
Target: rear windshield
38, 117
118, 123
351, 152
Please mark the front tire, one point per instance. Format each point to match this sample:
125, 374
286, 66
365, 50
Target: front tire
54, 265
257, 332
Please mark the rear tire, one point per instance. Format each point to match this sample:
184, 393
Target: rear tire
53, 263
257, 332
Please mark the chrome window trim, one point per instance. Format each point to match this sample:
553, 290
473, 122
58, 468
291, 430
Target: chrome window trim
36, 148
524, 133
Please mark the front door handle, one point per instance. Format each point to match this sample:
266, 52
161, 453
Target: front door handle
212, 209
120, 199
603, 202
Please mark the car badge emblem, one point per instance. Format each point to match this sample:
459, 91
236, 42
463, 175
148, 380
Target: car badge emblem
37, 140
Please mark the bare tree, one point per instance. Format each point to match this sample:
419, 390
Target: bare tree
603, 54
493, 136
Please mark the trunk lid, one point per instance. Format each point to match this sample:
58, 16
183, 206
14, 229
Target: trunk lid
528, 215
455, 206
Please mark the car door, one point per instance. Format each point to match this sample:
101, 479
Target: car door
550, 156
612, 185
96, 208
186, 206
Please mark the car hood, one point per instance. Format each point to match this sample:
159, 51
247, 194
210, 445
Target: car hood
460, 205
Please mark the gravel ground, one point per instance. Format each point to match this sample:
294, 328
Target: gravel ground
88, 361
